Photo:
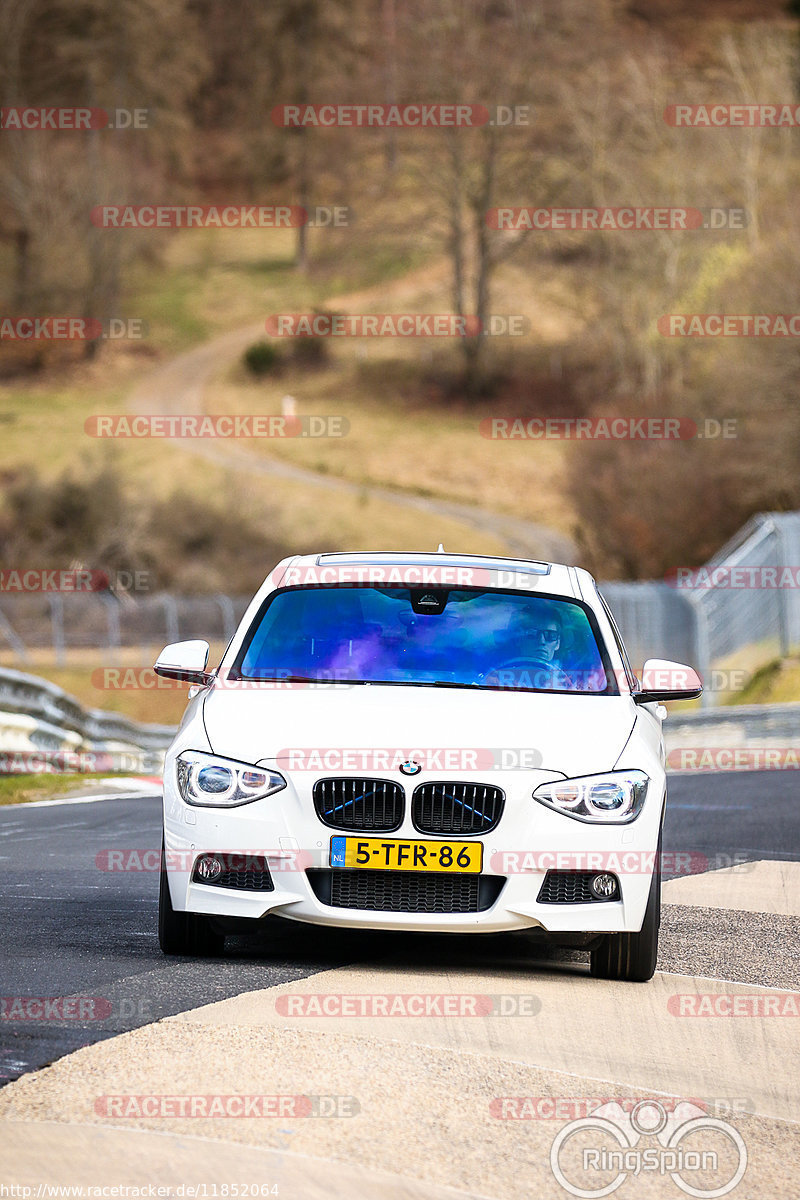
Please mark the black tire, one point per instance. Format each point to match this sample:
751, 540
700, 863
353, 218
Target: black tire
631, 957
181, 932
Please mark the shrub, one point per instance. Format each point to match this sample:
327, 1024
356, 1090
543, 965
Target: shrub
262, 358
187, 542
309, 352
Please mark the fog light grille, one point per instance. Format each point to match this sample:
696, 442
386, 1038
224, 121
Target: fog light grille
245, 872
572, 887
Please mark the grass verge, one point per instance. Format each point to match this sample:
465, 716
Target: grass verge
22, 789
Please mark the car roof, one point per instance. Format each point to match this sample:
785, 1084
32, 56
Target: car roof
554, 578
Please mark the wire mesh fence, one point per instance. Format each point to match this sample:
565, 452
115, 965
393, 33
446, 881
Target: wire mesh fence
67, 622
749, 594
727, 618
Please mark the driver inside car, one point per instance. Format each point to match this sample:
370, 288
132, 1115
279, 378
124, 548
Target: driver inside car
532, 646
545, 637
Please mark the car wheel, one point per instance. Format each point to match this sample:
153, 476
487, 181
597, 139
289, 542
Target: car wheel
182, 932
632, 956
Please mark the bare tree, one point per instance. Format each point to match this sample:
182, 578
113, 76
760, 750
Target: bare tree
506, 57
65, 53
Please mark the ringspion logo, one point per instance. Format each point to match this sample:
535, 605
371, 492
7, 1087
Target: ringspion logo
594, 1155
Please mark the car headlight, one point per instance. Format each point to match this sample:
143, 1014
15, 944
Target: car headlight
211, 782
612, 799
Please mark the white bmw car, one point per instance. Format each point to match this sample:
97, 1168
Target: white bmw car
429, 742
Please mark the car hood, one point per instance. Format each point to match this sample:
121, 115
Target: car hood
569, 734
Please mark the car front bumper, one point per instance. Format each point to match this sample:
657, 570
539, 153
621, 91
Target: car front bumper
529, 840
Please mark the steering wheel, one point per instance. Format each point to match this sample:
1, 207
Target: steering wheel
531, 660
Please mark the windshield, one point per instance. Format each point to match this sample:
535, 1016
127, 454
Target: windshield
456, 638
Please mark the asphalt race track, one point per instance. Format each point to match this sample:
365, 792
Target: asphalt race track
71, 929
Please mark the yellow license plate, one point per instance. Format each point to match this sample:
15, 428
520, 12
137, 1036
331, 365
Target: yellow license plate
386, 854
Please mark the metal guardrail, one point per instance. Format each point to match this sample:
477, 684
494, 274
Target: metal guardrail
40, 722
739, 737
748, 722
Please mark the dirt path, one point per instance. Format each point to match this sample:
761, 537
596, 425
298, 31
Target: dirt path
179, 386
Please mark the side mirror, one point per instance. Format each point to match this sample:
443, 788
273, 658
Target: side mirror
665, 680
186, 661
